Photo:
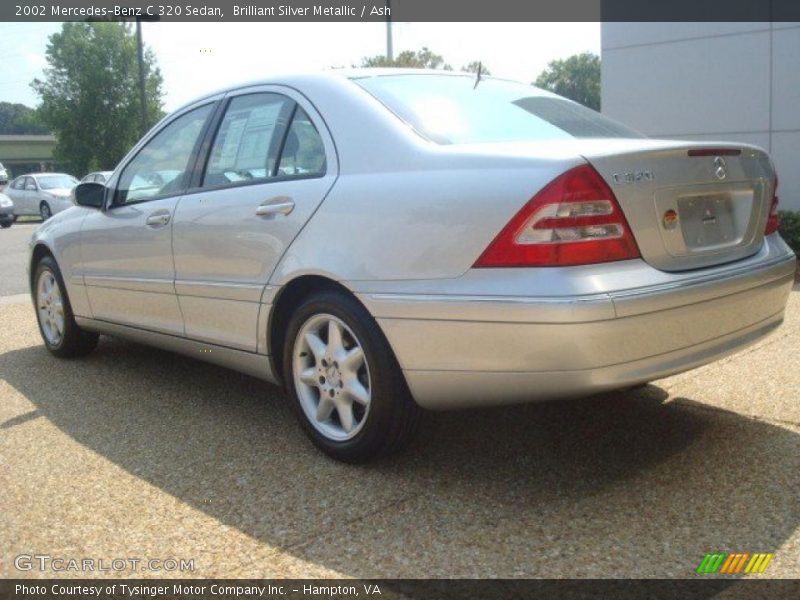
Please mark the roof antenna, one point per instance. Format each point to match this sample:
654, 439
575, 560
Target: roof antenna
478, 77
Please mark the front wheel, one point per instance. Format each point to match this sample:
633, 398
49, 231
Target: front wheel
44, 211
344, 382
6, 224
60, 332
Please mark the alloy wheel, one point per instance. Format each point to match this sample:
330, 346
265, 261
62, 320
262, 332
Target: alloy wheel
331, 376
50, 307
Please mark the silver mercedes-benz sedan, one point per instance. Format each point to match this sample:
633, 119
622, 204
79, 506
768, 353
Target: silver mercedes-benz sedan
381, 242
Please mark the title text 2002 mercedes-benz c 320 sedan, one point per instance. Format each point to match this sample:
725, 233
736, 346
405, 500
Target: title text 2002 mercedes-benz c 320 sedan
381, 241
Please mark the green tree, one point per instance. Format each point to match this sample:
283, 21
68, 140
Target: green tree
20, 119
421, 59
89, 97
473, 68
576, 78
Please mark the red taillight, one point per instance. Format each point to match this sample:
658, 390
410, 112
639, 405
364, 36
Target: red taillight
773, 221
574, 220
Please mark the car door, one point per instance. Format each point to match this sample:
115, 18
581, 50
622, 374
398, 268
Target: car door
16, 191
271, 162
30, 196
126, 249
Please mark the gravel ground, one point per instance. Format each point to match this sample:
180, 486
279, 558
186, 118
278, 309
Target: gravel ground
134, 452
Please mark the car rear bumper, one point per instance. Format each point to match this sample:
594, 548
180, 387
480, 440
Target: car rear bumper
469, 350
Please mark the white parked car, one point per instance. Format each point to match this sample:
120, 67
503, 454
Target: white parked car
43, 194
97, 177
385, 241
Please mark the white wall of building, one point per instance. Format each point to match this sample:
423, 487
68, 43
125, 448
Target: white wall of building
710, 81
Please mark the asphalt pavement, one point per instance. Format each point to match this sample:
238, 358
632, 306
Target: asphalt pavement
13, 258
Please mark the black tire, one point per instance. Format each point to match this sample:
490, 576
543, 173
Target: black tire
74, 341
44, 211
6, 224
393, 416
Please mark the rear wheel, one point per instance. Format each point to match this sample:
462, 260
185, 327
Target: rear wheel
6, 224
346, 386
44, 211
60, 332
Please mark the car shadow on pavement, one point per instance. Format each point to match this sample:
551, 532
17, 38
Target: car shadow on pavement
622, 484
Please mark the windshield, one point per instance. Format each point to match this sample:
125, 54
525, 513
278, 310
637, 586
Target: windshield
54, 182
453, 110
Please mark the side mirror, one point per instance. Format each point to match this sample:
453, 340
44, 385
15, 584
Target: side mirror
90, 194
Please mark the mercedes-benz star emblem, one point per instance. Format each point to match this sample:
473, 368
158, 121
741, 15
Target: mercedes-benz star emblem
720, 168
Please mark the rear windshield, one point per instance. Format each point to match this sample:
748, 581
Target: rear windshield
453, 110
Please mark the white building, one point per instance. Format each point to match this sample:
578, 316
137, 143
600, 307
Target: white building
710, 81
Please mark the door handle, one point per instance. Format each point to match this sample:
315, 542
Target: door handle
280, 205
158, 219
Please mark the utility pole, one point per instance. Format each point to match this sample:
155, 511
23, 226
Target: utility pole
389, 49
140, 55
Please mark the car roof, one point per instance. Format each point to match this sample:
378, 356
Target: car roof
330, 77
36, 175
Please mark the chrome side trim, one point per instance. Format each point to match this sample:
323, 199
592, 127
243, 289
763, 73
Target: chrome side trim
249, 363
496, 309
203, 289
136, 284
221, 290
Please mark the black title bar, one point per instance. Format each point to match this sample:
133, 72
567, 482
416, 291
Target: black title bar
403, 10
386, 589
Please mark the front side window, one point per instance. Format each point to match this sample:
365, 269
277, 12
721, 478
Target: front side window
247, 145
303, 151
451, 109
160, 167
30, 184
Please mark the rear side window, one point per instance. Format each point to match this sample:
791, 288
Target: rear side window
454, 110
303, 152
247, 143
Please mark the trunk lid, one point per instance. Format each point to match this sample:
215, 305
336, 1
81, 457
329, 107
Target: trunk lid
690, 205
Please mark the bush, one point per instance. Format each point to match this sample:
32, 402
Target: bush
790, 228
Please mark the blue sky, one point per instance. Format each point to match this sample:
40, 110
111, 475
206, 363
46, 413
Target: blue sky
199, 57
